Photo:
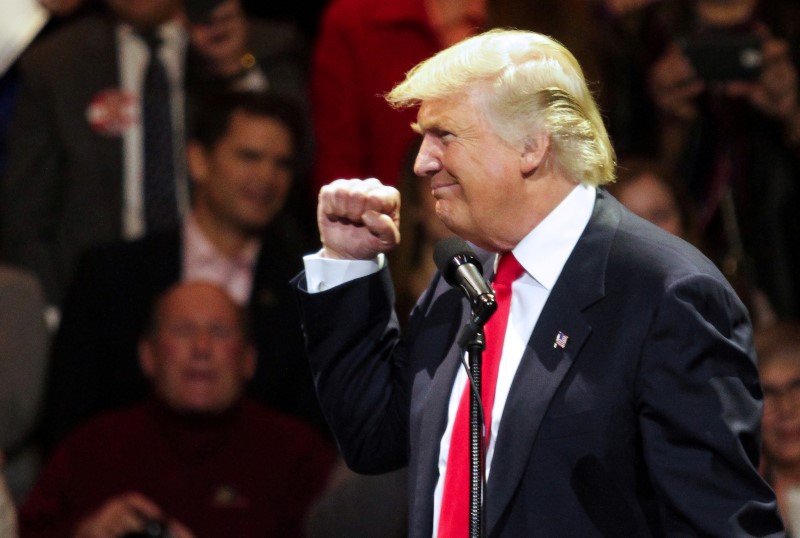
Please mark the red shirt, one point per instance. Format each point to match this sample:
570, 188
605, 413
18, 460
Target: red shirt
248, 473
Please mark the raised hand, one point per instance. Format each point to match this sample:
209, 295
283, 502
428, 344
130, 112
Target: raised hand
358, 218
775, 92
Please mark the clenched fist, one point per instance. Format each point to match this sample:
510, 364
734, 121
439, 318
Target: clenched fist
358, 218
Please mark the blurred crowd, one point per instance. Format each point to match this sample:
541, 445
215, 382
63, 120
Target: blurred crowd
159, 166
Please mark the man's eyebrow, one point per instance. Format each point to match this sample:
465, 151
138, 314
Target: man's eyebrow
432, 128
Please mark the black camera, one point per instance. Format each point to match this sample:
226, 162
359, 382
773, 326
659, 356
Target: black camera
724, 56
153, 529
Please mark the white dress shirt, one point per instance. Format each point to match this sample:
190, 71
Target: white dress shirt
542, 253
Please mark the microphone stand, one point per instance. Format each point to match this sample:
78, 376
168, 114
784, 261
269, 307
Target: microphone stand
472, 339
461, 268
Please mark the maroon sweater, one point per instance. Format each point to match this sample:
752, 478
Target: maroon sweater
248, 473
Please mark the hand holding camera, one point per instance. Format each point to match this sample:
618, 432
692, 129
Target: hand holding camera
755, 66
774, 92
723, 56
127, 516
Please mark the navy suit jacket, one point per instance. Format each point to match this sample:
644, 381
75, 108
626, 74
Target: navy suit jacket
645, 424
94, 366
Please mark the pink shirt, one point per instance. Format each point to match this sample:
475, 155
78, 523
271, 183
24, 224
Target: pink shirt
203, 261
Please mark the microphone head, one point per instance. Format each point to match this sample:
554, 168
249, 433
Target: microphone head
452, 252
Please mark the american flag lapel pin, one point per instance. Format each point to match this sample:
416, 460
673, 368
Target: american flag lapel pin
561, 340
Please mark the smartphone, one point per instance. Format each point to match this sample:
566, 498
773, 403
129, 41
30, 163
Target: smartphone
724, 57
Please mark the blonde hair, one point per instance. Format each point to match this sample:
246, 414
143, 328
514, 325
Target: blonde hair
535, 84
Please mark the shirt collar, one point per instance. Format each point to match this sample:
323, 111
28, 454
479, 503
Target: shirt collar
172, 32
201, 249
545, 250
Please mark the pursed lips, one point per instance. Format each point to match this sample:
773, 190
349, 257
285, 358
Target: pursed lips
439, 187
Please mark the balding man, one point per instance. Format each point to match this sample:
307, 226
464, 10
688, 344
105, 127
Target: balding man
198, 458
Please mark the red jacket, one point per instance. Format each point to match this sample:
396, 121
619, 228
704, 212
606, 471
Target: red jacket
364, 49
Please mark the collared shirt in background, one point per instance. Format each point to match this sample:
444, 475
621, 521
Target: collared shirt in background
203, 261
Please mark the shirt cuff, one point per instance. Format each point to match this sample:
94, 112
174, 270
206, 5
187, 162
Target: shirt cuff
325, 273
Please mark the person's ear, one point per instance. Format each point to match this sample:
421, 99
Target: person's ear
537, 146
147, 360
249, 362
197, 161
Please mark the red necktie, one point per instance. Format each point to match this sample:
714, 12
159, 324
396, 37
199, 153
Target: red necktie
454, 514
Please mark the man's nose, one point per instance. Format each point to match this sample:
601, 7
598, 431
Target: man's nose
269, 169
202, 341
428, 160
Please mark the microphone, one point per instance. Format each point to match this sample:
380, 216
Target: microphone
462, 269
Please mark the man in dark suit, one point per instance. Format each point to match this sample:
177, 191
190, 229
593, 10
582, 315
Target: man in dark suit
240, 157
626, 400
76, 152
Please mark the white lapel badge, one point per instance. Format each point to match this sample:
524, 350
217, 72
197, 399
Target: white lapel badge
561, 340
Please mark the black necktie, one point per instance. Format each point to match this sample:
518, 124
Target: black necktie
160, 201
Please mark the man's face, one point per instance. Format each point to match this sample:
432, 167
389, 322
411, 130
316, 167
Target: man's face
651, 199
223, 34
198, 359
244, 180
144, 14
780, 379
474, 175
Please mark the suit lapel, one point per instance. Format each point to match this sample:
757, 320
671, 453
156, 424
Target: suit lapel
544, 364
432, 394
431, 405
100, 50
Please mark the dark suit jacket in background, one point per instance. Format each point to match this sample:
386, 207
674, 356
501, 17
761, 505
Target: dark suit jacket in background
63, 190
645, 424
63, 187
94, 364
24, 340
